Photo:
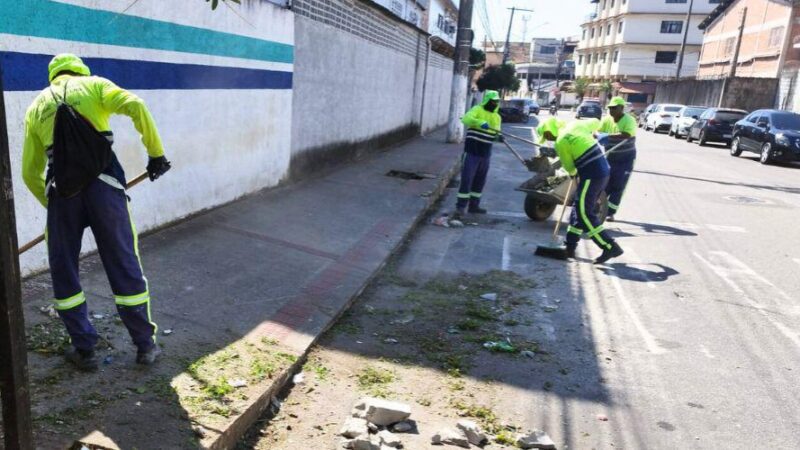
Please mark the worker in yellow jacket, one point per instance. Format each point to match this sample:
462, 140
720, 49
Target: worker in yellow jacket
68, 165
581, 156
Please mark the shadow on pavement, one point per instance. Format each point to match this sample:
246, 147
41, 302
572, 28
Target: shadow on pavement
652, 229
787, 189
630, 272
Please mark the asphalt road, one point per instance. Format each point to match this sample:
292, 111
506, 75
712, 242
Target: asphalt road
689, 340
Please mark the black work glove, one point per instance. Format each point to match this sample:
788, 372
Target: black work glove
548, 151
157, 167
501, 138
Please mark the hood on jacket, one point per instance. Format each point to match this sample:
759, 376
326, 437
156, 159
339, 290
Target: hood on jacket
489, 96
66, 61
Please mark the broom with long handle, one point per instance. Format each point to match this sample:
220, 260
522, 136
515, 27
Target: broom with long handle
40, 238
555, 249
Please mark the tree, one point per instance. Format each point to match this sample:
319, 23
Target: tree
606, 87
579, 87
477, 58
498, 78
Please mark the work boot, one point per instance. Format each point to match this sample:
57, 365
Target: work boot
83, 360
570, 252
610, 218
476, 210
609, 253
458, 214
148, 357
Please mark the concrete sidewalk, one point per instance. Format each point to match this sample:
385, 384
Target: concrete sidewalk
239, 293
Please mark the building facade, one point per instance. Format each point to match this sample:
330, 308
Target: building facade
638, 41
768, 39
442, 20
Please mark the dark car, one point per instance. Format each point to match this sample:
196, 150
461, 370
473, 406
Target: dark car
589, 109
773, 134
514, 110
533, 107
715, 125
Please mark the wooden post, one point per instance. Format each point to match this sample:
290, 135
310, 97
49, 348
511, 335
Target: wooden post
13, 354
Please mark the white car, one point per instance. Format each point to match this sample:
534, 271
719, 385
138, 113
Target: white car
684, 120
661, 118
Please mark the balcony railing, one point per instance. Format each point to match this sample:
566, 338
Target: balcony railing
591, 16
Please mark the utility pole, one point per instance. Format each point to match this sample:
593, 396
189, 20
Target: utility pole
735, 59
683, 43
13, 353
458, 92
507, 50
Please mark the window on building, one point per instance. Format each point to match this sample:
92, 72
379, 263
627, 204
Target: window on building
608, 30
775, 37
619, 28
589, 58
612, 4
583, 34
548, 50
580, 59
440, 22
596, 58
616, 56
729, 43
671, 26
604, 4
591, 34
666, 57
603, 58
676, 1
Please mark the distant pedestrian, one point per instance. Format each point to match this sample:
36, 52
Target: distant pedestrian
483, 124
67, 134
581, 155
619, 125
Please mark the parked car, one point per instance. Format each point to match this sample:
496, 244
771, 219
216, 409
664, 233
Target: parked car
685, 118
773, 134
515, 110
643, 116
715, 125
533, 107
589, 109
660, 119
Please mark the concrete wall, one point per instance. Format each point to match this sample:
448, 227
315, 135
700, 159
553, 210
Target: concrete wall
358, 82
742, 93
203, 74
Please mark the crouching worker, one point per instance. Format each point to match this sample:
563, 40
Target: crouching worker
483, 125
581, 155
68, 135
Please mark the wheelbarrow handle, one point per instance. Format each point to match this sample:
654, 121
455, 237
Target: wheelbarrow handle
40, 238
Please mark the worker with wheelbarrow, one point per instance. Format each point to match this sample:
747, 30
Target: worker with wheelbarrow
581, 155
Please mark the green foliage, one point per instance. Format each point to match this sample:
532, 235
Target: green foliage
498, 78
579, 86
477, 58
606, 87
215, 3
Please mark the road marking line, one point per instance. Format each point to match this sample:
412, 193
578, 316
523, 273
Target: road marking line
797, 260
649, 340
746, 270
706, 352
724, 273
684, 225
727, 228
506, 261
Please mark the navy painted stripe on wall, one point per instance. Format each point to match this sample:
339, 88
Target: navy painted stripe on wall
28, 72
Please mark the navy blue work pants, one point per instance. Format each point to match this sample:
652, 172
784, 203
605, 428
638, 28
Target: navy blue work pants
620, 174
474, 169
104, 209
584, 217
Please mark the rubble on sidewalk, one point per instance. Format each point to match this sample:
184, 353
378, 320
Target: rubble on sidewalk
372, 418
536, 439
450, 436
474, 434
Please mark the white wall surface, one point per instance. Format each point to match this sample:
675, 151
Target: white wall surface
646, 29
218, 151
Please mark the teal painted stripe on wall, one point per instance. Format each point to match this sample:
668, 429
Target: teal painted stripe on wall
47, 19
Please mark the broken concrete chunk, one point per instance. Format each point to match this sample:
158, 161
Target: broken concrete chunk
364, 443
490, 296
381, 412
389, 439
402, 427
536, 439
354, 427
372, 427
450, 436
474, 434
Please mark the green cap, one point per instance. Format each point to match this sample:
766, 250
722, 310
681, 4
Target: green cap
552, 125
66, 61
616, 101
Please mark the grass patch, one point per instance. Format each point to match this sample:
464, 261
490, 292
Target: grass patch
505, 437
48, 338
479, 312
260, 370
468, 324
375, 381
486, 416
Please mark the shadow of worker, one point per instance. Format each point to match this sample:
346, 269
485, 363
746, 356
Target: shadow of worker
641, 273
652, 228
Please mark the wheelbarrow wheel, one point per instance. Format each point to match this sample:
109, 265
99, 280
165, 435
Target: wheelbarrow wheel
538, 210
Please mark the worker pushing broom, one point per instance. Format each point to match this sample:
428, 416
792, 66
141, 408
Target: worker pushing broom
580, 155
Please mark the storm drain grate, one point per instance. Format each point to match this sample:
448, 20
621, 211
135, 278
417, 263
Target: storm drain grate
403, 175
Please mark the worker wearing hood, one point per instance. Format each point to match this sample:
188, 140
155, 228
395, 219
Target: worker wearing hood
581, 155
483, 124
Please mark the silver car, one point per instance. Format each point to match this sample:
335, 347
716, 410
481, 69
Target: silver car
684, 120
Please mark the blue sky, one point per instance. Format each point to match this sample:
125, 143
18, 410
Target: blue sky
551, 18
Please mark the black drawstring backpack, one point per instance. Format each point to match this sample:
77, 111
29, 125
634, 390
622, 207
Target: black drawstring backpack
80, 152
